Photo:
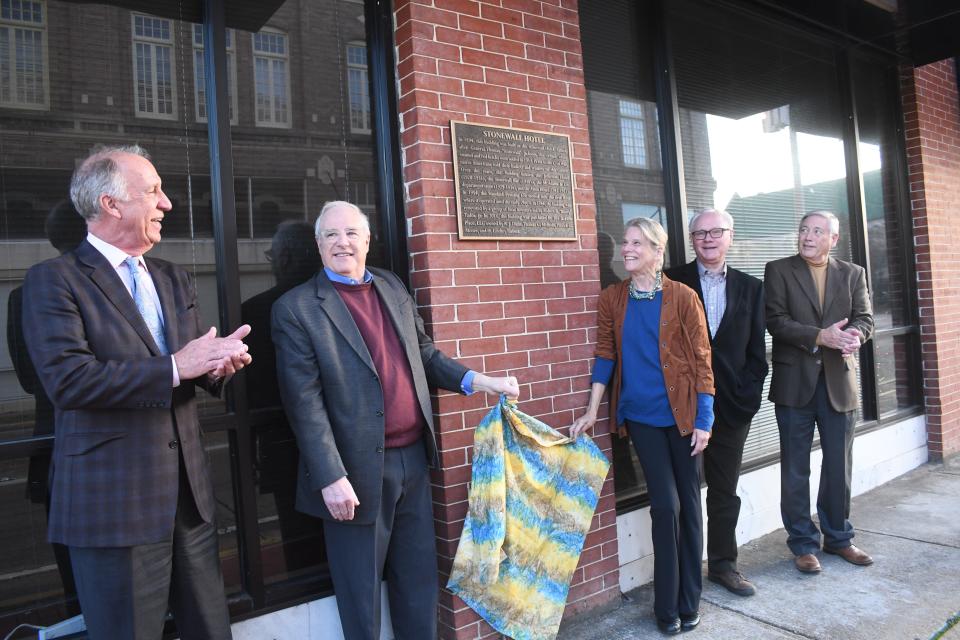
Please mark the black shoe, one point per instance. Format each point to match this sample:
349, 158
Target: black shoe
733, 581
688, 621
669, 627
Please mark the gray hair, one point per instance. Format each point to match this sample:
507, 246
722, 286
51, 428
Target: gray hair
336, 204
828, 215
651, 230
100, 174
726, 217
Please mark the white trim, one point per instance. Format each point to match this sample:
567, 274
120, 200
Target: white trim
270, 58
316, 619
155, 44
231, 76
878, 457
41, 28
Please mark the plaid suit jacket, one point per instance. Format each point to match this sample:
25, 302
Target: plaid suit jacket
120, 425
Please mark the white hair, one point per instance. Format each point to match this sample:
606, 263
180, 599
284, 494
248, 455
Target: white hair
100, 174
829, 216
726, 217
337, 204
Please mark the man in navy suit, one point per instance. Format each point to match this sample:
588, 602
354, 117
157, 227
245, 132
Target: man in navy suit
733, 303
116, 342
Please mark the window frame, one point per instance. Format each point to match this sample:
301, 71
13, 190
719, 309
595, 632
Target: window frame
12, 25
199, 90
154, 44
639, 122
271, 57
363, 82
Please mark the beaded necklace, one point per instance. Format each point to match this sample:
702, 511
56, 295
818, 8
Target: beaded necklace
636, 294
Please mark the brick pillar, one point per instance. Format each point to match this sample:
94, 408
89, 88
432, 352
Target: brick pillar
520, 307
932, 119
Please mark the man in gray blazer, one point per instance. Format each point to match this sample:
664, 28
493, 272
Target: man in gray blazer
354, 365
819, 314
115, 338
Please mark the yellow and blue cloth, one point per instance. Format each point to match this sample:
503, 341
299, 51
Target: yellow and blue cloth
533, 492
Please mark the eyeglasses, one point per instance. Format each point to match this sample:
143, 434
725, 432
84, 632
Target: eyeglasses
700, 234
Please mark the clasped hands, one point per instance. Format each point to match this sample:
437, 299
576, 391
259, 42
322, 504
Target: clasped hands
213, 356
846, 341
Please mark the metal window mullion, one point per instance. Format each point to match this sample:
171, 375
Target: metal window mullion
223, 202
857, 219
671, 151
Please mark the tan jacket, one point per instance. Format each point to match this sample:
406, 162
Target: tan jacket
684, 347
794, 320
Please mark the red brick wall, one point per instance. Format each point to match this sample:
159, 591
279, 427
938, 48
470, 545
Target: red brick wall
932, 118
521, 307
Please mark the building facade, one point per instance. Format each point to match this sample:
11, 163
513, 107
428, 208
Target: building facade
257, 113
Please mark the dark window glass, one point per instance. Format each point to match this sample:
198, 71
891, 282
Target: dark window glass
625, 148
896, 339
761, 129
297, 143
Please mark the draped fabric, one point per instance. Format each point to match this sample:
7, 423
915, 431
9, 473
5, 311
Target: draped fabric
533, 492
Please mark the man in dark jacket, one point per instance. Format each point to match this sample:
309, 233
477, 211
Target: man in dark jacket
354, 365
733, 303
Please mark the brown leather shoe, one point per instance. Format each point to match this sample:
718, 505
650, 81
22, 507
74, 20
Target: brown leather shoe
851, 554
732, 581
807, 563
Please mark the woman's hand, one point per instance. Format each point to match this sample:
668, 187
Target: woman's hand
699, 441
581, 424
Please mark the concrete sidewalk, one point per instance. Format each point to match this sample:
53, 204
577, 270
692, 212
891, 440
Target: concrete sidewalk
911, 527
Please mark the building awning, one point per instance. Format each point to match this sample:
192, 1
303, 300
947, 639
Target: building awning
244, 15
917, 31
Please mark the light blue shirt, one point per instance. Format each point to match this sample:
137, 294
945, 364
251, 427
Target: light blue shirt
116, 259
713, 284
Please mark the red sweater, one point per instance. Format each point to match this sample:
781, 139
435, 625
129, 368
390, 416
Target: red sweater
403, 418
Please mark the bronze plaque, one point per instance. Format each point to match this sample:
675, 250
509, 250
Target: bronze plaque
512, 184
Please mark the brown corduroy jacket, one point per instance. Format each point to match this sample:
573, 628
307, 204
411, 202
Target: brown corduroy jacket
684, 348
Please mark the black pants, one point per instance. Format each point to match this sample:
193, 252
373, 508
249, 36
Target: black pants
673, 484
399, 547
721, 470
833, 500
125, 591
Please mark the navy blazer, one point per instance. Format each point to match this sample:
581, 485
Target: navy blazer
333, 395
739, 352
118, 420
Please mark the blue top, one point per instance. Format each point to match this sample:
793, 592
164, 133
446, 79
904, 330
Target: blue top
643, 392
466, 383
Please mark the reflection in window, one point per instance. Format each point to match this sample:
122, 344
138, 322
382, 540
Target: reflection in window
152, 67
632, 137
271, 78
23, 79
359, 88
199, 84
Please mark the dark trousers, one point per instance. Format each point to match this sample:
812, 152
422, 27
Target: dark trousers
721, 470
673, 484
125, 591
833, 500
399, 547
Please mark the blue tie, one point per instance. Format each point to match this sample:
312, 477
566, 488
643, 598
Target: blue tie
145, 304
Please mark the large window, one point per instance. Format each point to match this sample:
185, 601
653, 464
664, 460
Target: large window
281, 177
760, 116
624, 142
359, 86
153, 74
271, 71
23, 54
